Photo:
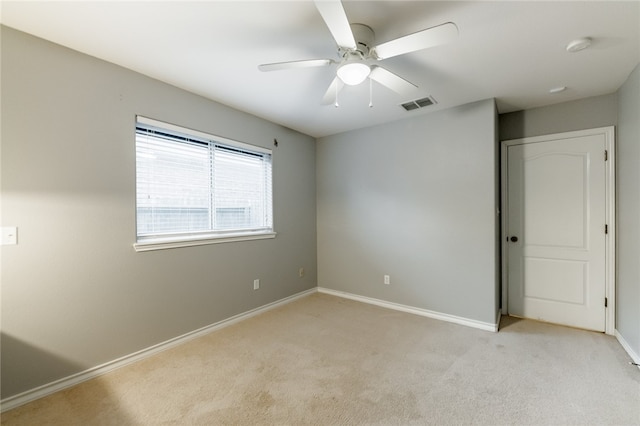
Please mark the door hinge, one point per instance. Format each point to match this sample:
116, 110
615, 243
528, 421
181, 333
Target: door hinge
605, 302
606, 229
606, 155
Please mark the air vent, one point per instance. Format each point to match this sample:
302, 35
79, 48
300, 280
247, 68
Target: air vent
419, 103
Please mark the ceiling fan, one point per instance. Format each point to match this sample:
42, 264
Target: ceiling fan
358, 54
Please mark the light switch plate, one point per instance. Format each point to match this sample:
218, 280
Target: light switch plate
9, 235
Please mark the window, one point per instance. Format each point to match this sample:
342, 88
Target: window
193, 188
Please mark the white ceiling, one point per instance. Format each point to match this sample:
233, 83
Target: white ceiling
511, 50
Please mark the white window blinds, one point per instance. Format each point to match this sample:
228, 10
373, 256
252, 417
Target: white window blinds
189, 184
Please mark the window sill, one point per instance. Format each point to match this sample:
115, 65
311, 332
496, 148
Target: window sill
177, 242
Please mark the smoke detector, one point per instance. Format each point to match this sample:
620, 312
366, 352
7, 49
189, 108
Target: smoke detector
578, 44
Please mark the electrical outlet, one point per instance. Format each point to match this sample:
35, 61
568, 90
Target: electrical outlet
9, 235
387, 279
256, 284
301, 272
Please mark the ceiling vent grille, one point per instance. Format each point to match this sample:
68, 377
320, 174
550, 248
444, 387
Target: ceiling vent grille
419, 103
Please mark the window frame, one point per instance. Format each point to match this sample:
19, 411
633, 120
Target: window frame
205, 237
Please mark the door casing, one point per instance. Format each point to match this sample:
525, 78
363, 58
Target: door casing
610, 201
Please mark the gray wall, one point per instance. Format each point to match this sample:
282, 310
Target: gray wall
628, 197
415, 200
588, 113
74, 292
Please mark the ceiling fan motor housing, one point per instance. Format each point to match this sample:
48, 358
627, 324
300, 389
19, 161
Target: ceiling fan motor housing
364, 36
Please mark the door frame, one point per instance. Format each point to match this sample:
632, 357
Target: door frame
610, 213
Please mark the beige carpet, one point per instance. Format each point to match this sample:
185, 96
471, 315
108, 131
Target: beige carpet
323, 360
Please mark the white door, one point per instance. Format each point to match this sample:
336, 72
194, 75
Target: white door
556, 192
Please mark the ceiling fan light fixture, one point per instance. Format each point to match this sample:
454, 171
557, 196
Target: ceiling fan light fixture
353, 73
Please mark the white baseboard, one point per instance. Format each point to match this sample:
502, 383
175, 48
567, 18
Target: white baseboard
412, 310
634, 356
66, 382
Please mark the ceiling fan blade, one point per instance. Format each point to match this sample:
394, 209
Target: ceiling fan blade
334, 88
430, 37
336, 19
295, 64
392, 81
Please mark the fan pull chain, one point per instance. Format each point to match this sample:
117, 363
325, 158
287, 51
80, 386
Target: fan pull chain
336, 104
370, 93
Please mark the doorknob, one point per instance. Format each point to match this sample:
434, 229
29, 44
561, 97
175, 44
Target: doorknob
514, 239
